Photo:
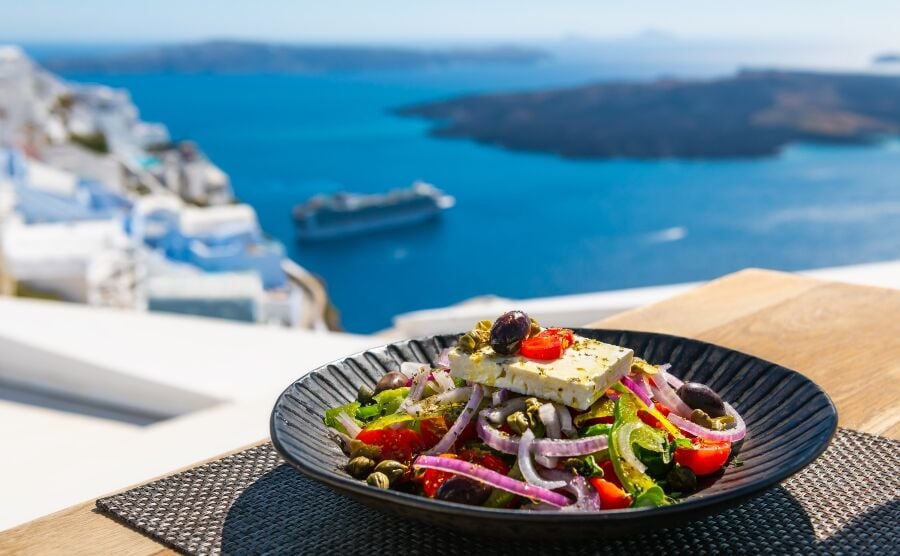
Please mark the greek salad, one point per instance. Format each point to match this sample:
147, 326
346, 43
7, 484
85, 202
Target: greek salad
542, 419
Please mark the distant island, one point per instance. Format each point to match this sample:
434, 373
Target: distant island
887, 58
753, 113
231, 57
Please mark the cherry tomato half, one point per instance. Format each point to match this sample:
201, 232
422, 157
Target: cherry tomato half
705, 458
396, 444
548, 344
485, 459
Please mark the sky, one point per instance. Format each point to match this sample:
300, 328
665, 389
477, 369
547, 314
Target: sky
870, 23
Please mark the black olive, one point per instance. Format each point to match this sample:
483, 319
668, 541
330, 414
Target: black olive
463, 490
508, 332
394, 379
700, 396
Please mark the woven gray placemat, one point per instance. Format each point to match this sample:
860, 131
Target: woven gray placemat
847, 501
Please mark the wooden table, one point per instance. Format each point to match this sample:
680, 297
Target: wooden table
844, 337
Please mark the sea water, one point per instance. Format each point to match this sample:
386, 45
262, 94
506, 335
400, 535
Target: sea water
524, 224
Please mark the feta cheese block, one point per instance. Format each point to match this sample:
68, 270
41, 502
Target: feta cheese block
576, 379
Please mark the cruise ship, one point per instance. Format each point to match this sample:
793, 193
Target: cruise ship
346, 214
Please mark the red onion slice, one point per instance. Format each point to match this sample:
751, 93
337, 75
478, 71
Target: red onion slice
499, 397
586, 498
730, 435
571, 448
667, 396
638, 391
418, 387
565, 420
548, 416
411, 368
492, 478
443, 359
674, 381
499, 414
507, 444
442, 380
461, 422
526, 465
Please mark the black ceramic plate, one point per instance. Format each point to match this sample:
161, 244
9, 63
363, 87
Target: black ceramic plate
790, 421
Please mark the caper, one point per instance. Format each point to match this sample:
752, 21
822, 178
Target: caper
364, 394
463, 490
725, 422
474, 339
508, 331
379, 480
534, 328
532, 405
482, 336
360, 466
584, 466
681, 479
576, 465
484, 325
532, 409
701, 396
467, 343
718, 424
393, 379
392, 469
700, 417
518, 422
358, 448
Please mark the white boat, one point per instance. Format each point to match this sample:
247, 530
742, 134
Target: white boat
347, 214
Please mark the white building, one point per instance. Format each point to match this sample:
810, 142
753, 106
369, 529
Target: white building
233, 295
190, 175
92, 262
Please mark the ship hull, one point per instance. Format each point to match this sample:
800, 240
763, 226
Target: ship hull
355, 229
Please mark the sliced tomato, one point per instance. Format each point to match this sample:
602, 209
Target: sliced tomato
485, 459
542, 348
705, 458
432, 430
396, 444
612, 497
373, 437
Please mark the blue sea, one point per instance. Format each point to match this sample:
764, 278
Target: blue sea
524, 224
